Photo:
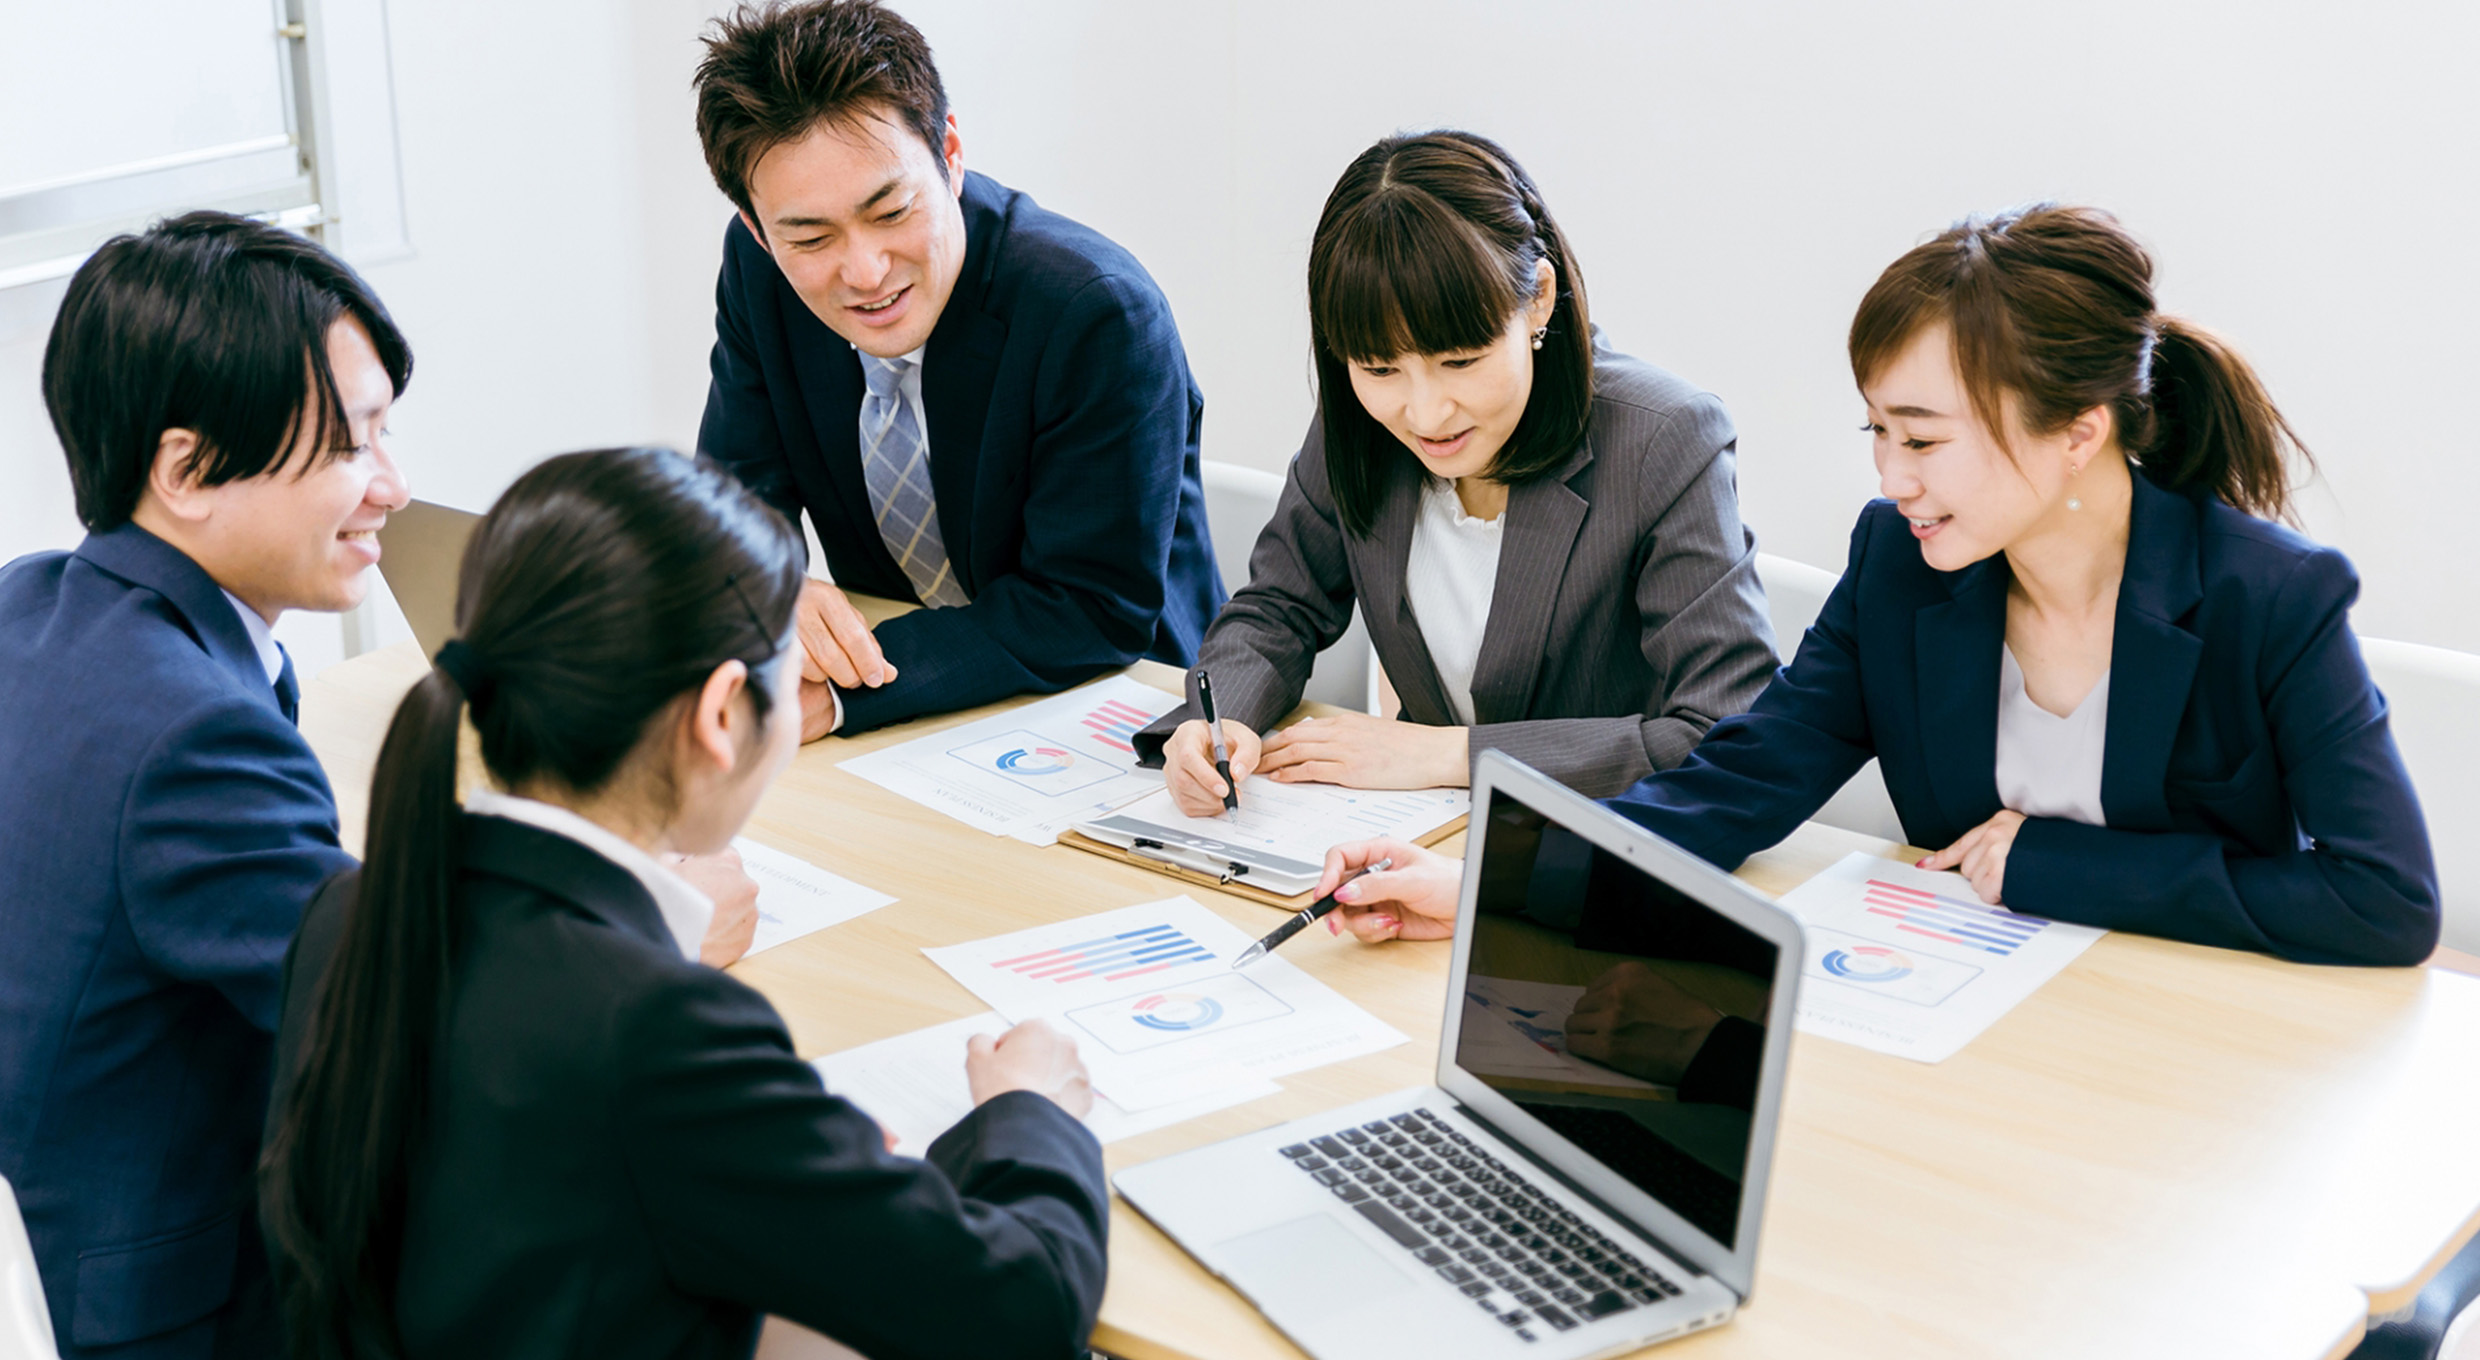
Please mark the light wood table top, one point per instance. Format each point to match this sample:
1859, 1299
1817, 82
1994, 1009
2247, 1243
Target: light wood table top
2167, 1150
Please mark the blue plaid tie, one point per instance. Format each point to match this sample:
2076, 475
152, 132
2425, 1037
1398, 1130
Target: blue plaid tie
895, 462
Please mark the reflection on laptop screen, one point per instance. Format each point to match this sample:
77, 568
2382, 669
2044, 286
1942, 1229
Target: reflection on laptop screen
1623, 1014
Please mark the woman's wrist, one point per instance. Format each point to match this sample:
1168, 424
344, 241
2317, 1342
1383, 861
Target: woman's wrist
1454, 768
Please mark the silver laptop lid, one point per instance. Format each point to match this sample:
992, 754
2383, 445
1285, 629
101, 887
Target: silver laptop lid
420, 550
1622, 1009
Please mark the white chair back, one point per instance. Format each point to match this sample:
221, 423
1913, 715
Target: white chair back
1239, 502
25, 1323
2434, 698
1794, 594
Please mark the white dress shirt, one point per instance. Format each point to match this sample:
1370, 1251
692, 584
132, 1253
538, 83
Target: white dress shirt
686, 911
262, 636
2049, 766
1449, 575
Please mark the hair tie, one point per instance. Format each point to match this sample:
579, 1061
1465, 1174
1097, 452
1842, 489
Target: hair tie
464, 666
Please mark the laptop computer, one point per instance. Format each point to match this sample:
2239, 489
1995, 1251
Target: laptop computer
421, 548
1588, 1173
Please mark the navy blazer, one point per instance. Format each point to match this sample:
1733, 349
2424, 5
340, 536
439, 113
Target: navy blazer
624, 1157
2253, 793
1063, 452
165, 824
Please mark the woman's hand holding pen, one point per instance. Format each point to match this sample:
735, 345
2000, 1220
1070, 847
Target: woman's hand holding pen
1188, 764
1413, 900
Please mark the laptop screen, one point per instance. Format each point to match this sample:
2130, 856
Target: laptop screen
1621, 1013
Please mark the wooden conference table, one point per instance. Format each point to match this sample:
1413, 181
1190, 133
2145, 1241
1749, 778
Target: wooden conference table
2166, 1151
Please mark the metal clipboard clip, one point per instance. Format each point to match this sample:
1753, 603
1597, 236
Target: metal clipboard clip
1224, 871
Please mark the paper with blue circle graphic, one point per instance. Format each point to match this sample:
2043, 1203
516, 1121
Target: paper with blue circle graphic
1034, 770
1150, 997
1913, 963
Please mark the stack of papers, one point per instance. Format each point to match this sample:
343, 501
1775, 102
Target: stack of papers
1033, 771
1280, 833
1160, 1018
1909, 962
914, 1086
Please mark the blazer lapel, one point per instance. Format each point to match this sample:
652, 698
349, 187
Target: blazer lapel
830, 377
1543, 517
142, 559
2152, 659
1381, 558
1956, 658
958, 372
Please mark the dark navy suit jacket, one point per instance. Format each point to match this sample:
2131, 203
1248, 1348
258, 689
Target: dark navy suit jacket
625, 1158
165, 825
2253, 794
1063, 451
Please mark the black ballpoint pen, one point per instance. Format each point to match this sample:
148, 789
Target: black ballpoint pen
1214, 728
1316, 911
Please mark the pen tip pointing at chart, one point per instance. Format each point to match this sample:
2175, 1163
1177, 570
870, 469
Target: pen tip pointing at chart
1247, 957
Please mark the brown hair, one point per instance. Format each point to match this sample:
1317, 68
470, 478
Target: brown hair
2055, 305
1429, 245
773, 72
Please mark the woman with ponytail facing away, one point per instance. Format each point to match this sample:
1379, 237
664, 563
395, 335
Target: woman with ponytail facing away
2099, 677
515, 1116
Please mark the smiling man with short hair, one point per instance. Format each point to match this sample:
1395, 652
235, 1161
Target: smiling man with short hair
982, 405
220, 388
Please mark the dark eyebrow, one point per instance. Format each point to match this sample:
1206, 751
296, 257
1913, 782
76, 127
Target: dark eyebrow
866, 204
1915, 412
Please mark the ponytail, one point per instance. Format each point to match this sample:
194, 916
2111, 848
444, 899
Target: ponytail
600, 590
2055, 305
2215, 428
343, 1139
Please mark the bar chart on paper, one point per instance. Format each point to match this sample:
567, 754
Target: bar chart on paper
1112, 958
1158, 1014
1904, 961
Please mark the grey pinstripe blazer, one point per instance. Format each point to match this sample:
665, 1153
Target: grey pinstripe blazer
1626, 619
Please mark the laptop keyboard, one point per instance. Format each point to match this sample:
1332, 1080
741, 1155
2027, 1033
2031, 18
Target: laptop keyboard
1481, 1224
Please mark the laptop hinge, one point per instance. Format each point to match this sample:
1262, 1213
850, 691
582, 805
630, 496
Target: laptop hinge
1567, 1182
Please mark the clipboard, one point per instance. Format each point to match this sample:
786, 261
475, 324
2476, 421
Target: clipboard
1221, 874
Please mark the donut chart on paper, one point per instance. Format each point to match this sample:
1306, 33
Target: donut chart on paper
1868, 963
1176, 1011
1034, 760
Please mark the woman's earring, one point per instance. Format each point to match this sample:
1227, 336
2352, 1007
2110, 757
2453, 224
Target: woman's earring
1539, 335
2075, 502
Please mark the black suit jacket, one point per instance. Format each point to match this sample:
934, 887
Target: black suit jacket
2253, 793
625, 1158
1063, 452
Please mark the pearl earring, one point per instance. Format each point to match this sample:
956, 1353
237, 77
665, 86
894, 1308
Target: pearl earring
1539, 335
2075, 502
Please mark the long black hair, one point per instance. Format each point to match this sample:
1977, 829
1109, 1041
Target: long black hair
601, 590
1429, 245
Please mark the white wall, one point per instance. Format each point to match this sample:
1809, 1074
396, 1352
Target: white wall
1732, 176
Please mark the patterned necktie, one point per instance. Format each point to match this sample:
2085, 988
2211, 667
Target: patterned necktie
288, 689
895, 462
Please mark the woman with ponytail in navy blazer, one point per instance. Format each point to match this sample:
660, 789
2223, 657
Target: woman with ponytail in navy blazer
2091, 667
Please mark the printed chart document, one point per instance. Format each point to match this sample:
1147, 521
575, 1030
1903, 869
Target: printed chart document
1280, 833
1909, 962
914, 1086
1031, 772
1157, 1012
796, 897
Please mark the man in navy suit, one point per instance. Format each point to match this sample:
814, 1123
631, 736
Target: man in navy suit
982, 405
165, 822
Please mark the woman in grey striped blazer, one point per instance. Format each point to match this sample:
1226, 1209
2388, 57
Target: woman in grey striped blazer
1542, 532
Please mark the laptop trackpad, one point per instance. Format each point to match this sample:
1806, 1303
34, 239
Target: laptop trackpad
1310, 1268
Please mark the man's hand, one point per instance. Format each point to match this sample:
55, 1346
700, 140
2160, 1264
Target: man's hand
1981, 854
1639, 1022
836, 649
735, 923
1188, 764
1031, 1057
1359, 751
1412, 900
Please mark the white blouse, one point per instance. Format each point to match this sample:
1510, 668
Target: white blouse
1449, 575
2049, 766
